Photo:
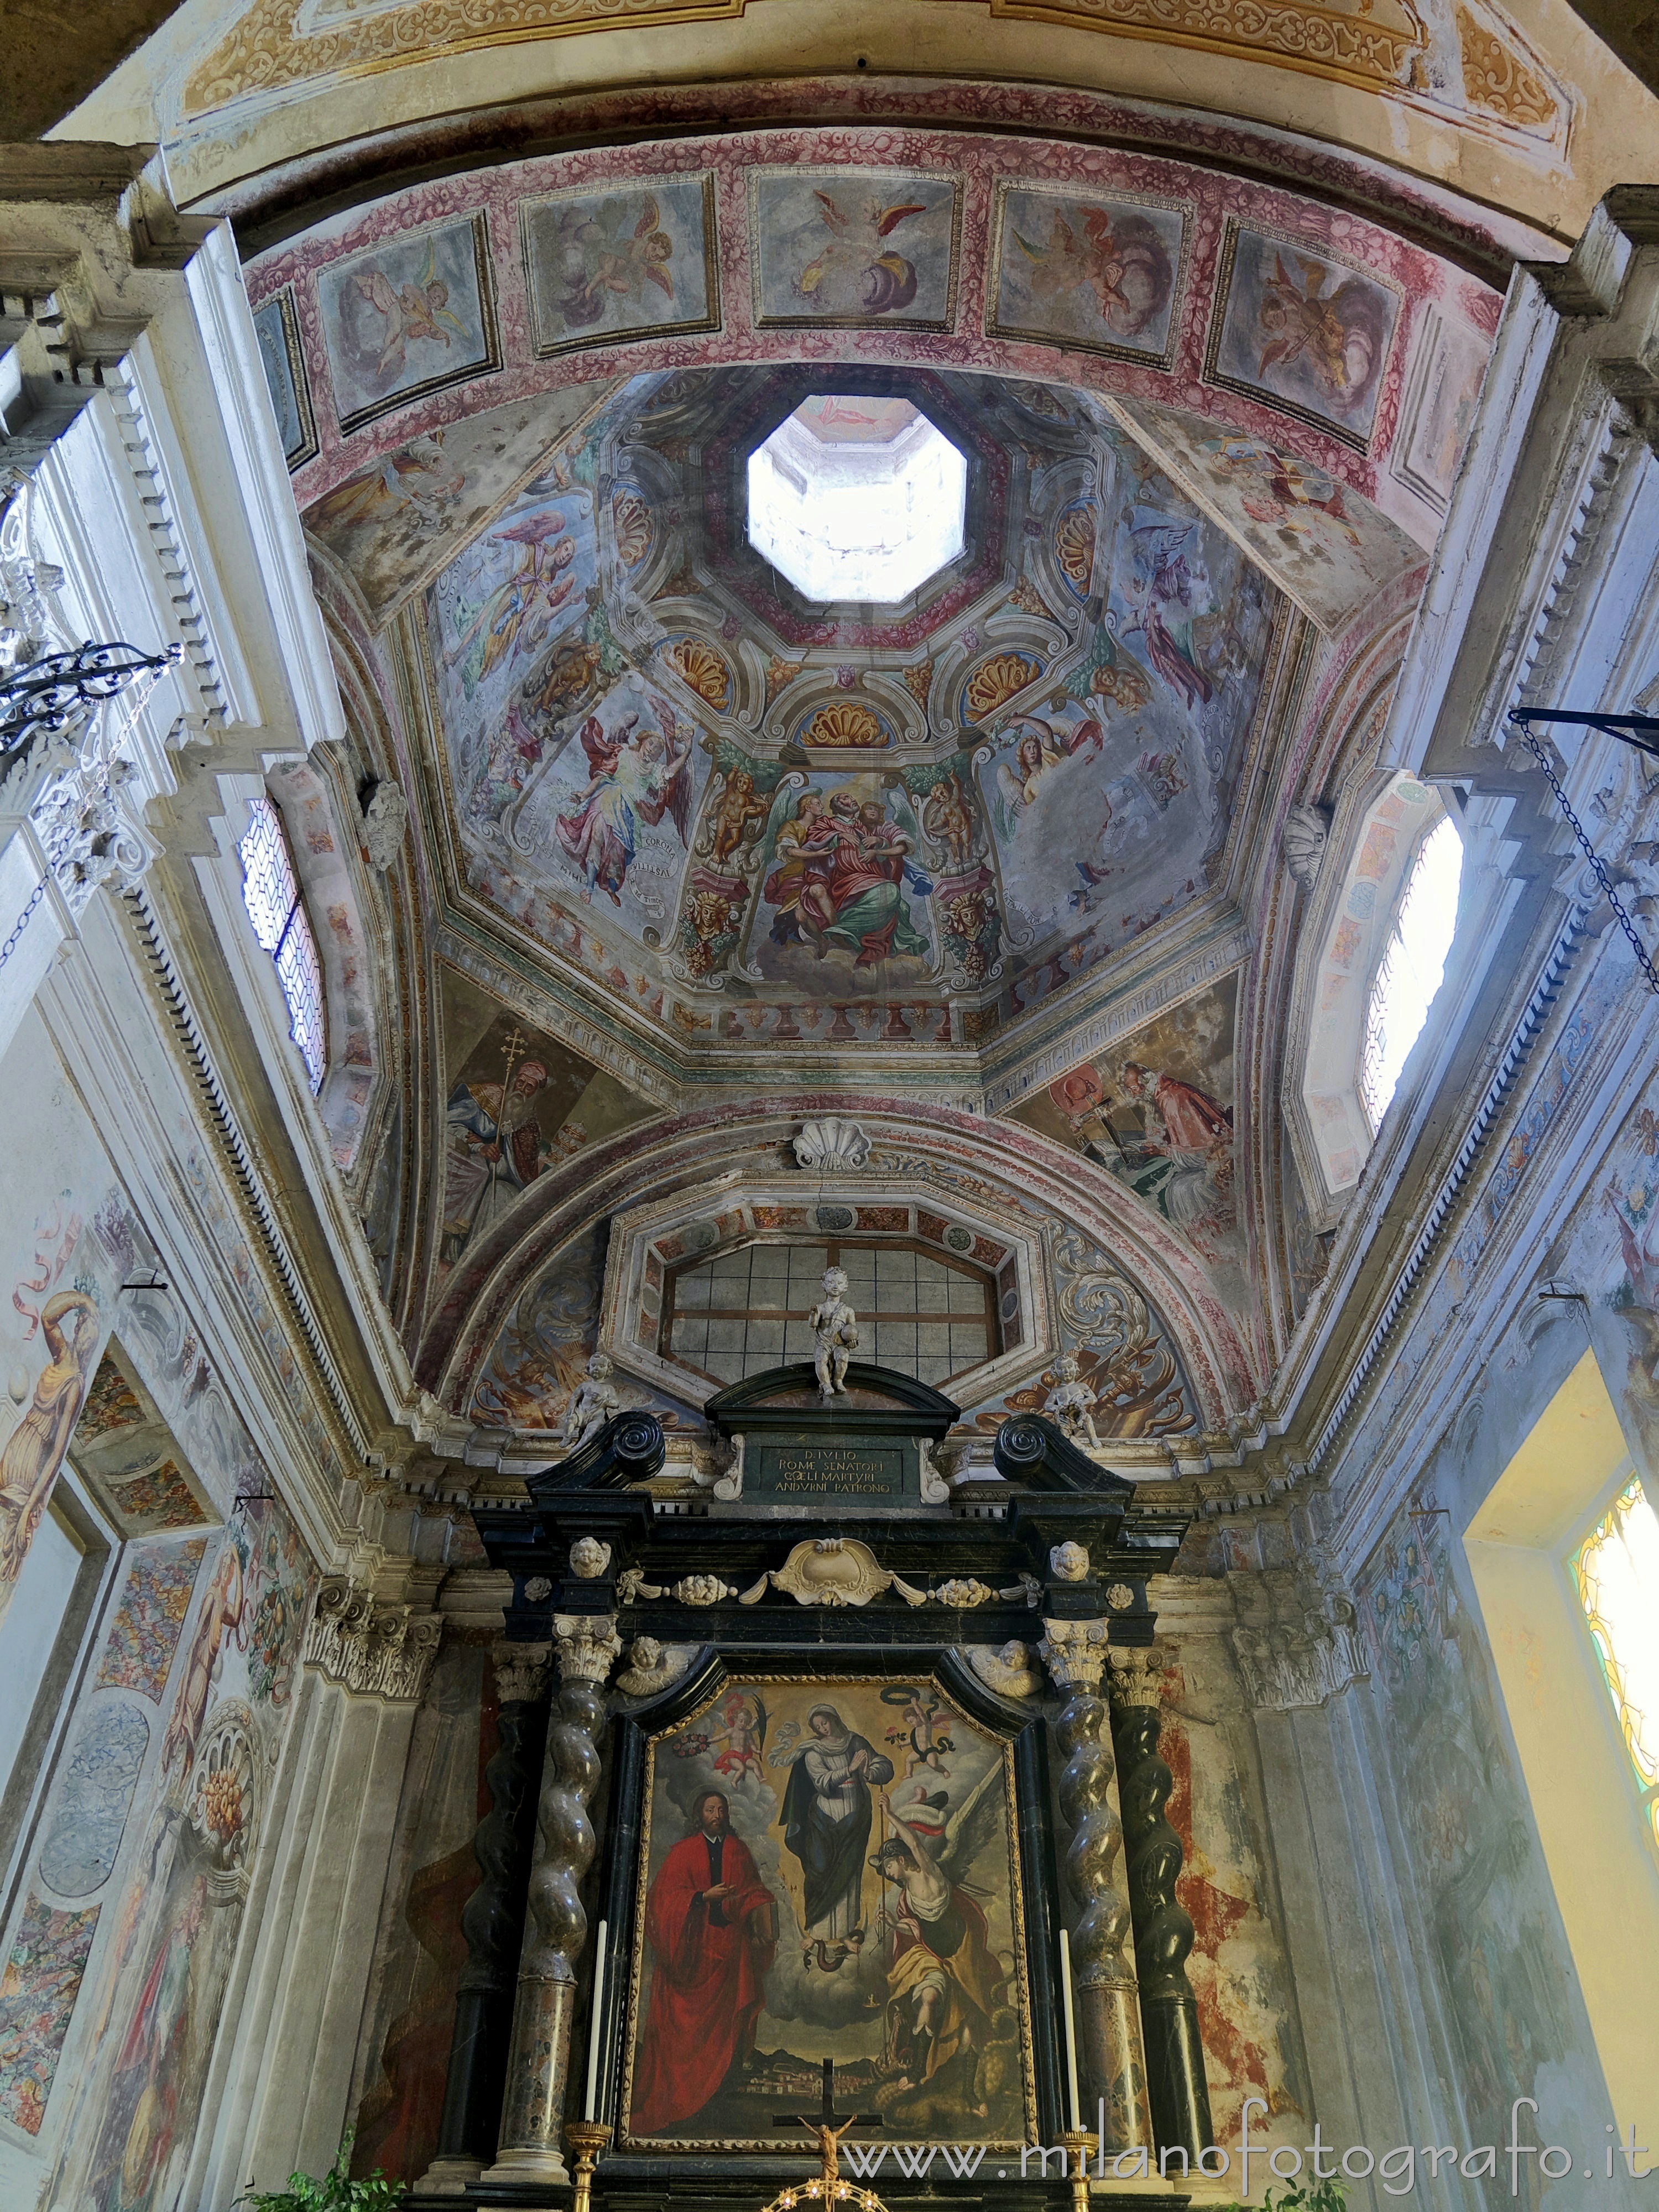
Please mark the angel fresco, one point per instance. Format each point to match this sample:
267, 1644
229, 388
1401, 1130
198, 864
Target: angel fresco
517, 614
854, 262
1119, 260
1335, 338
1040, 746
1171, 587
381, 321
606, 255
632, 779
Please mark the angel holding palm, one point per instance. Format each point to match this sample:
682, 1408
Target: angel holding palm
944, 1982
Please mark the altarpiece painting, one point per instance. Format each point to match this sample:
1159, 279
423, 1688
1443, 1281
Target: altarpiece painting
830, 1870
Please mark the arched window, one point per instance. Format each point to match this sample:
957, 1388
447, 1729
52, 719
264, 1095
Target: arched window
1616, 1571
271, 891
1382, 926
1413, 961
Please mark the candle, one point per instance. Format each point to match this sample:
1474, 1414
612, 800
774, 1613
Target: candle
1071, 2029
598, 2020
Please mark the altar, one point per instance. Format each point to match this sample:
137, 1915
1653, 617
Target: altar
851, 1764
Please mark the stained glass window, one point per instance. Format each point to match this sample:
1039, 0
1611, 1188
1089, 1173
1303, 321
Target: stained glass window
1413, 961
271, 891
1616, 1570
746, 1311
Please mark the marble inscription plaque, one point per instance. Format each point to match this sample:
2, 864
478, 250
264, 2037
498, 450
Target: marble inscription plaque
860, 1475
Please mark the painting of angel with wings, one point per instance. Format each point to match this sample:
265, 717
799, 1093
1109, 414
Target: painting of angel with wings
406, 316
517, 614
637, 776
1305, 328
636, 260
854, 246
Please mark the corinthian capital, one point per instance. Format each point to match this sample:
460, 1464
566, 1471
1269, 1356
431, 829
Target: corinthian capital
522, 1672
587, 1644
1137, 1677
1074, 1652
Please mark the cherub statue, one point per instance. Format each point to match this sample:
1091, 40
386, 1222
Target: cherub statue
836, 1326
1071, 1404
594, 1403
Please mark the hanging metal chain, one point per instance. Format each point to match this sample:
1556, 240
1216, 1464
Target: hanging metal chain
1602, 876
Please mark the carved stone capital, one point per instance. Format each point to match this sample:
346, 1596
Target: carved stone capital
523, 1672
1136, 1676
587, 1644
1297, 1643
1074, 1652
372, 1650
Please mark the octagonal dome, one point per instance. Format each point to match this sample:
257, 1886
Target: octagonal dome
857, 498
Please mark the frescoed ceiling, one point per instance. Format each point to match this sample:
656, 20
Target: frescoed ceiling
656, 753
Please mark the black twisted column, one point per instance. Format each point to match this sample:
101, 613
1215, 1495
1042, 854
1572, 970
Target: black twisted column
1180, 2095
555, 1923
1110, 2066
490, 1921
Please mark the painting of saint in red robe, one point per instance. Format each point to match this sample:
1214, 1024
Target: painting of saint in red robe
711, 1932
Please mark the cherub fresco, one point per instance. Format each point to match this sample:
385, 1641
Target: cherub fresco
1336, 336
639, 775
378, 321
1170, 586
609, 253
1040, 746
417, 488
1117, 259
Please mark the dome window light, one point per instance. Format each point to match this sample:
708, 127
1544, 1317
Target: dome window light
857, 498
1412, 963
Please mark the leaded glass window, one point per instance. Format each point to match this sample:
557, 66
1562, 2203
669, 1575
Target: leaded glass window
745, 1311
1413, 961
271, 891
1616, 1570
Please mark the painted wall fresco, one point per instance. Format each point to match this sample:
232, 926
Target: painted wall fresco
1323, 544
1159, 1116
872, 176
1124, 1353
537, 1361
1239, 1968
1442, 390
422, 1950
396, 524
819, 1956
89, 1810
275, 325
161, 1982
67, 1242
636, 263
127, 1456
840, 246
408, 318
37, 1990
519, 1103
1099, 273
145, 1631
1485, 1894
1309, 329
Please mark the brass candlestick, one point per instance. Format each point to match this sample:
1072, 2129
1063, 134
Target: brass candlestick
584, 2140
1079, 2148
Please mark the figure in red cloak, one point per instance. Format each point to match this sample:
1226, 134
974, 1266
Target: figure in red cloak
710, 1923
1193, 1121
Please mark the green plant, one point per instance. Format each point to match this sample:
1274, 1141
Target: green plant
1318, 2196
336, 2192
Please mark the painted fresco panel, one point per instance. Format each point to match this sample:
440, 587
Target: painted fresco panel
851, 248
832, 1957
1100, 273
1441, 393
1320, 541
276, 327
38, 1991
406, 317
93, 1798
145, 1633
605, 265
844, 902
1303, 329
519, 1103
1158, 1115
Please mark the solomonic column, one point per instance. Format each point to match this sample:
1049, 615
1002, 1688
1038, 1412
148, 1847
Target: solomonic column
484, 2002
1109, 2061
1180, 2095
555, 1924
